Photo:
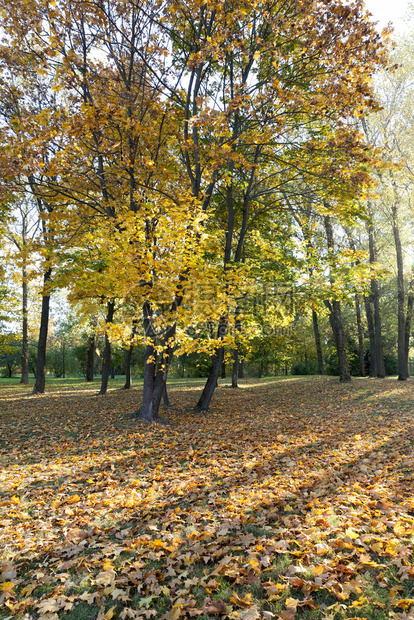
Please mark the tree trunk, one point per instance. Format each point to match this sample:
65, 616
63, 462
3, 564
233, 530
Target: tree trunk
360, 337
235, 369
154, 385
216, 363
165, 398
223, 369
358, 311
25, 331
335, 315
371, 335
63, 359
155, 382
335, 319
146, 411
321, 369
40, 383
241, 369
128, 360
408, 319
402, 369
106, 362
90, 362
379, 358
407, 330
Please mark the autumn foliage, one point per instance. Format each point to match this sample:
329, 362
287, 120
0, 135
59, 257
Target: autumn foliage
293, 500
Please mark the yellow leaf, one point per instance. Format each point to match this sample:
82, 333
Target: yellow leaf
73, 499
7, 586
405, 603
360, 602
245, 602
176, 612
292, 603
110, 613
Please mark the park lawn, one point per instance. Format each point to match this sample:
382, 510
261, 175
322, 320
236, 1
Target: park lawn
292, 499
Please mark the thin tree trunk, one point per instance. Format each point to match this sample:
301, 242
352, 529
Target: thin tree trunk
408, 320
317, 335
235, 365
335, 319
90, 360
407, 335
40, 383
360, 337
91, 345
63, 359
402, 370
211, 383
241, 369
106, 362
379, 358
25, 331
371, 335
216, 365
235, 369
128, 360
360, 329
223, 369
335, 315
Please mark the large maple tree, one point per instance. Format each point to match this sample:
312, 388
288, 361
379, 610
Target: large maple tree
160, 106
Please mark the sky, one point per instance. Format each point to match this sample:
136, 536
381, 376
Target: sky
386, 11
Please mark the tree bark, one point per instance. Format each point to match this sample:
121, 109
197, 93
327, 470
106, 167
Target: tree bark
241, 369
360, 337
90, 360
205, 398
155, 380
371, 335
402, 369
360, 329
40, 383
106, 362
379, 358
235, 369
128, 360
165, 398
335, 315
335, 319
317, 335
63, 359
407, 330
408, 320
25, 331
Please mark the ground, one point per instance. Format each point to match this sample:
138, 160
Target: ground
293, 498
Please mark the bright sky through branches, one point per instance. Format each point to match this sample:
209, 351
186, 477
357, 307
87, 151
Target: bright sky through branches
385, 11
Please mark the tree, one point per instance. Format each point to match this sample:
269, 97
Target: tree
22, 232
170, 106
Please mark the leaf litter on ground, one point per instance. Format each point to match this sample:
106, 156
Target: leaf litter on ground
291, 499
